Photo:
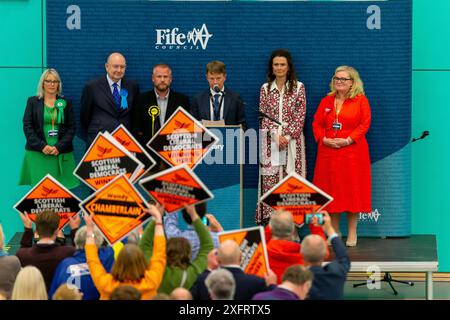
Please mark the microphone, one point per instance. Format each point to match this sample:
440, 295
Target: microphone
424, 135
217, 89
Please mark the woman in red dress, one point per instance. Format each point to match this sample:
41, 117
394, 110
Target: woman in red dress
343, 162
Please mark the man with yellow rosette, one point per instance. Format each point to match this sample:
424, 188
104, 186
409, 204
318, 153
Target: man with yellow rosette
153, 108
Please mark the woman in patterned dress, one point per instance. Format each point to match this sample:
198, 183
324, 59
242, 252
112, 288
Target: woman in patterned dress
283, 99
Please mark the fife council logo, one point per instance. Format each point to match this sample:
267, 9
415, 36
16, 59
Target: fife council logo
173, 39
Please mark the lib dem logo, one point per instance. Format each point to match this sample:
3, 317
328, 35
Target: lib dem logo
173, 39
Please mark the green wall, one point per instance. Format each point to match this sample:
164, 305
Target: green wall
22, 60
21, 64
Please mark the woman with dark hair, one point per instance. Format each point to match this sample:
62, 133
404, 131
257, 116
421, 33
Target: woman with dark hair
181, 271
283, 99
131, 266
49, 127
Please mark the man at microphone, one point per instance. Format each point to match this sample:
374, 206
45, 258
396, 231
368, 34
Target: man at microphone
154, 107
218, 103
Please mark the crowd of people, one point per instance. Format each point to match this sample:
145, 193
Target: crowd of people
85, 267
170, 263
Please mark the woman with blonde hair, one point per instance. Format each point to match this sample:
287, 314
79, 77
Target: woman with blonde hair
131, 267
29, 285
343, 161
49, 127
9, 268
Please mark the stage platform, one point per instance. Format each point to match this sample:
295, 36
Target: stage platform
417, 253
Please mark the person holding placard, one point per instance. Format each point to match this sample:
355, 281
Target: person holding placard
49, 127
283, 100
343, 161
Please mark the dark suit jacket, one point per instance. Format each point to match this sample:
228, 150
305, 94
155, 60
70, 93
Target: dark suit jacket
246, 285
45, 257
233, 112
328, 283
33, 126
98, 111
142, 122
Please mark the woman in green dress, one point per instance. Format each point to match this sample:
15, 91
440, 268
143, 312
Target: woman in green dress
49, 127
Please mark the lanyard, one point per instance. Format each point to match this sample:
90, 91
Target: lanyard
52, 116
336, 111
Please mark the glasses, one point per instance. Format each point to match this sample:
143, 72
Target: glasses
51, 81
336, 79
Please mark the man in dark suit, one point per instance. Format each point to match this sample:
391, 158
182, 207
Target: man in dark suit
229, 257
218, 103
144, 126
161, 100
106, 101
329, 280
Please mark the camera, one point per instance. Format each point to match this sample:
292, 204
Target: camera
309, 216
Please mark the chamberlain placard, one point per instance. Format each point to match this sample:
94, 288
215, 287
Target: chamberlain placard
49, 194
106, 159
117, 209
176, 187
182, 140
296, 195
126, 139
252, 242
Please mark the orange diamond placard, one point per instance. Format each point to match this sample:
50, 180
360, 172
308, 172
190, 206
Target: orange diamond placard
126, 139
176, 187
296, 195
106, 159
49, 194
252, 242
182, 140
117, 209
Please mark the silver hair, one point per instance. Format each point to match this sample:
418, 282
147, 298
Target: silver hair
80, 238
221, 284
282, 224
313, 248
40, 87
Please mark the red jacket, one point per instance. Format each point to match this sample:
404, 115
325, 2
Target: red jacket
285, 253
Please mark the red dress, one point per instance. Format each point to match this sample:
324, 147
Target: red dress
344, 173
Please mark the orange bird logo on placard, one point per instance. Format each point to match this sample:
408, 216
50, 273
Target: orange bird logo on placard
181, 125
48, 191
123, 142
292, 188
103, 151
179, 178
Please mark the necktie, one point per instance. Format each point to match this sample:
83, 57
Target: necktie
116, 95
216, 107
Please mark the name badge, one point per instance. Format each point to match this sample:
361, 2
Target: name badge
52, 133
337, 125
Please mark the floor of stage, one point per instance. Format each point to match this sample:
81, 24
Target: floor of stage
417, 253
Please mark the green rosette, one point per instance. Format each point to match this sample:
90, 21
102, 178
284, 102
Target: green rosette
60, 104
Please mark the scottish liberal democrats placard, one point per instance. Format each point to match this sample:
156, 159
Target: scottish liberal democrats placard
252, 242
117, 209
176, 187
182, 140
49, 194
106, 159
126, 139
296, 195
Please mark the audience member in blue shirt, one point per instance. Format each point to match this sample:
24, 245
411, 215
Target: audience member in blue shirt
74, 270
172, 229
